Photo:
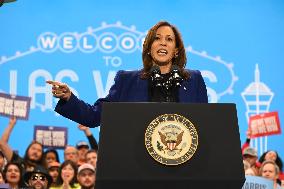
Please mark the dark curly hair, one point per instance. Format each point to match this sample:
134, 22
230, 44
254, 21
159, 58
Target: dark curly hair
21, 181
179, 60
50, 150
28, 161
278, 160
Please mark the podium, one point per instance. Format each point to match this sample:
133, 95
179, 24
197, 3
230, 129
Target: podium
124, 161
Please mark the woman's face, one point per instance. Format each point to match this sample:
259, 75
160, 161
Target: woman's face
67, 173
163, 48
271, 155
53, 172
269, 172
50, 157
13, 174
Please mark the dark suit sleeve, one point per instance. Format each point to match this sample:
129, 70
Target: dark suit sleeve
202, 91
89, 115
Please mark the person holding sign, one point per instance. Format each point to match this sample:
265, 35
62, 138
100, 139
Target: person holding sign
268, 155
33, 154
163, 78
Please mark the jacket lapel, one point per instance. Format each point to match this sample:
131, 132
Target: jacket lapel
184, 91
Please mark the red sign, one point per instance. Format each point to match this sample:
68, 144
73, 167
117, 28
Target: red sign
264, 124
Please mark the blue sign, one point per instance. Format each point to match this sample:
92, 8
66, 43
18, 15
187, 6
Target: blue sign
253, 182
17, 106
51, 137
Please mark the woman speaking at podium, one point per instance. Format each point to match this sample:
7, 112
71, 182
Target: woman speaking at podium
163, 78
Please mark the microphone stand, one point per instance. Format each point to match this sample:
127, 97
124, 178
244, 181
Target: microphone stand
156, 76
173, 82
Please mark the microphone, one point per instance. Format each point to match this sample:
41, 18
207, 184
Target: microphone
156, 76
176, 77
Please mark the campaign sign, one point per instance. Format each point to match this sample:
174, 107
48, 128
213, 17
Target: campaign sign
49, 136
264, 124
18, 106
255, 182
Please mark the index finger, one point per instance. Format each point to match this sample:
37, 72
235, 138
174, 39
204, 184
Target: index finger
53, 82
57, 84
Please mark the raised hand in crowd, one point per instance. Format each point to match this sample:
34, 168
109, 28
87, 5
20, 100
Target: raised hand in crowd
86, 154
247, 142
7, 132
248, 133
60, 90
13, 120
86, 130
33, 154
93, 142
4, 147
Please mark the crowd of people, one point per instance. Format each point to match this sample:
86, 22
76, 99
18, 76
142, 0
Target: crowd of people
269, 165
41, 168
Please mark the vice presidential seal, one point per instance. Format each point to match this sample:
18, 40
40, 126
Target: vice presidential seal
171, 139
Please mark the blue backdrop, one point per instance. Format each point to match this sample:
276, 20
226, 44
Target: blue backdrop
236, 45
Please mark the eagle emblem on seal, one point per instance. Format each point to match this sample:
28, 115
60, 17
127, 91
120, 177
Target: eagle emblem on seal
171, 139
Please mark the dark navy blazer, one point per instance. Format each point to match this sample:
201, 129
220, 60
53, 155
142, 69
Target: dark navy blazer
128, 87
